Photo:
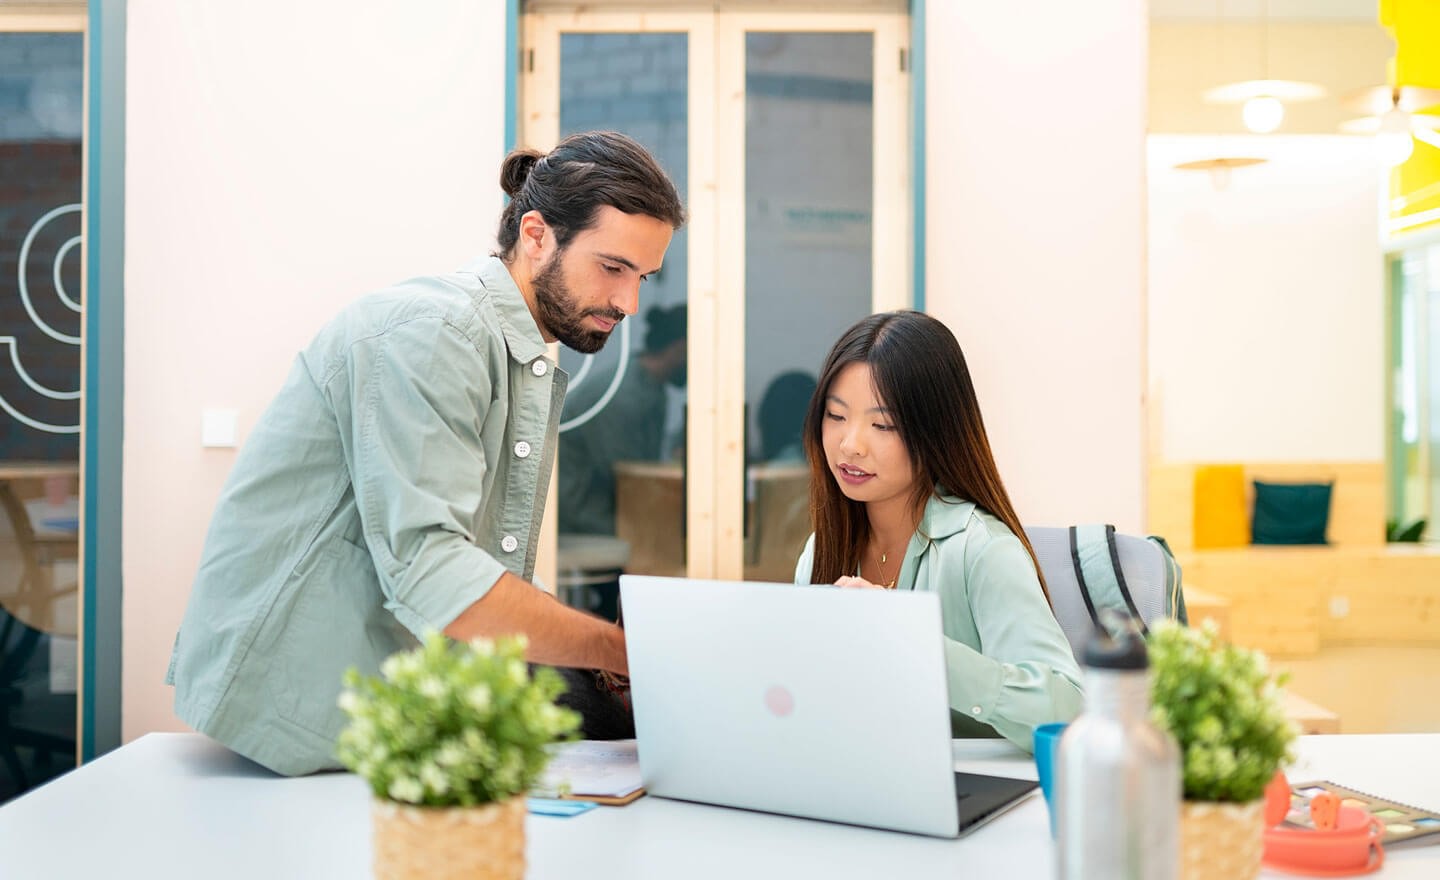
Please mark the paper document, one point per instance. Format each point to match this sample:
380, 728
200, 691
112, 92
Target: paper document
593, 770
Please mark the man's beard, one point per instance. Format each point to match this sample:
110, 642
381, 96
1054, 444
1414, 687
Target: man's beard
560, 315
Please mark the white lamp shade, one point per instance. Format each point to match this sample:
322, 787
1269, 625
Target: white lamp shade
1263, 114
1393, 142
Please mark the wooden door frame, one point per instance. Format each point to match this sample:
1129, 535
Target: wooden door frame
715, 453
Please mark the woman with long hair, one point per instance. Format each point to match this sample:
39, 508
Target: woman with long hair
905, 495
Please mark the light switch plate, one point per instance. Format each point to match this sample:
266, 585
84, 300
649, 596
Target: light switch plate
217, 428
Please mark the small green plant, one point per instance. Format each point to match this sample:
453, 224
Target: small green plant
1399, 533
1222, 705
453, 724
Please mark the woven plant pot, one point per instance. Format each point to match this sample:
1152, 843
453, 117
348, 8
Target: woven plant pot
1221, 841
448, 843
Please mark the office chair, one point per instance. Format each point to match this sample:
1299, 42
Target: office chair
28, 715
779, 521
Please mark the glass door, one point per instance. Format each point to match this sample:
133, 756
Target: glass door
1414, 424
42, 61
786, 134
824, 193
618, 498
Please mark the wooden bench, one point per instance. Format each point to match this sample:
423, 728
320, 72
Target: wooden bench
1288, 600
1311, 717
1201, 606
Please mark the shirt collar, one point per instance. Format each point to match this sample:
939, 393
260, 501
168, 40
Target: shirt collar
522, 334
945, 516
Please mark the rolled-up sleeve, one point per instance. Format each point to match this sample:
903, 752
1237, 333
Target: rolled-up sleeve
1024, 673
411, 403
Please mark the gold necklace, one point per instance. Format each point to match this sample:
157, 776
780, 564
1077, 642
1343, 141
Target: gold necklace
880, 567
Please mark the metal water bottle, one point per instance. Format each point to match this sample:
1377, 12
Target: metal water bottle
1118, 786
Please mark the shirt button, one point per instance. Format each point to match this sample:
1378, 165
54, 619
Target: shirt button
538, 367
522, 449
508, 543
974, 710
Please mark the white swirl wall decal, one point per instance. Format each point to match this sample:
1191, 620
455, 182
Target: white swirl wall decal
25, 377
25, 286
13, 344
593, 411
65, 248
36, 423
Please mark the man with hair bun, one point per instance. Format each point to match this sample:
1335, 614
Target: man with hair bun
396, 483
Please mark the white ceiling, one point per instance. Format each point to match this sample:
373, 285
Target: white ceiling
1290, 10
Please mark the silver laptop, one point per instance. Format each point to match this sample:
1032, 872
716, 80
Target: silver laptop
804, 700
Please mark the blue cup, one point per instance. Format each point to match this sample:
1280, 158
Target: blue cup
1047, 751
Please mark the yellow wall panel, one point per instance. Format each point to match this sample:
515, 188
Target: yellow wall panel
1414, 202
1415, 26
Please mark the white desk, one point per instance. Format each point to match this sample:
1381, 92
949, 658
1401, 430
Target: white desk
178, 805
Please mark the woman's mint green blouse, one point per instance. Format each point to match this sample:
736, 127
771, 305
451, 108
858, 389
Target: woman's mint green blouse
1009, 666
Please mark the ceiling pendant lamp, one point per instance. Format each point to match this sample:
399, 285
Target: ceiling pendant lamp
1263, 100
1220, 166
1396, 116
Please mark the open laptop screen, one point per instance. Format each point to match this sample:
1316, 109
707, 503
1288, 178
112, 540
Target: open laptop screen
803, 700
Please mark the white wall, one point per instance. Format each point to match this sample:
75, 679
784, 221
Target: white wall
1267, 301
1035, 131
282, 159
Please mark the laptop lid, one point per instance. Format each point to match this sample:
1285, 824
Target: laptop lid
803, 700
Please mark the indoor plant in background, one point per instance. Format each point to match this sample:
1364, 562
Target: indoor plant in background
1222, 705
450, 737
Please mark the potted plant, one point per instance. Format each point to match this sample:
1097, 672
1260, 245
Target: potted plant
449, 738
1222, 705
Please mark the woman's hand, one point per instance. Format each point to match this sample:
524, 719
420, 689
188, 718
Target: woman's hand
857, 583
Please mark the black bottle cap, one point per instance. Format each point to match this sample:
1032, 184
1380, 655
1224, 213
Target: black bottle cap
1122, 650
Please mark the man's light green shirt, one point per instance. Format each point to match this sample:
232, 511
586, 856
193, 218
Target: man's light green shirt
399, 472
1008, 665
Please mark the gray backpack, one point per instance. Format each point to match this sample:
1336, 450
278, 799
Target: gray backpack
1091, 568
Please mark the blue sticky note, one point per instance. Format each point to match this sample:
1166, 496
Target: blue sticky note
558, 807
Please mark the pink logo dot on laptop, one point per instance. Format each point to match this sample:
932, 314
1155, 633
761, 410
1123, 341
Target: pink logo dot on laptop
779, 701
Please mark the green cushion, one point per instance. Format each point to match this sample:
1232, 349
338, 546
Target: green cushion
1290, 513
